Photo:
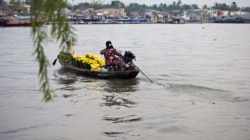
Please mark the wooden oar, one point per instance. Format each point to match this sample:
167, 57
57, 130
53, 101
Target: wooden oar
143, 73
54, 62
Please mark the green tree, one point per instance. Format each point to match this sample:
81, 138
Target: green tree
60, 30
234, 7
178, 6
195, 6
14, 2
154, 6
162, 7
2, 2
134, 7
117, 4
246, 9
186, 7
97, 4
174, 5
204, 7
220, 6
28, 2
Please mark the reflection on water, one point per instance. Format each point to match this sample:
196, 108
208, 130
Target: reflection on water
115, 91
125, 119
113, 134
64, 77
67, 78
114, 100
116, 94
118, 86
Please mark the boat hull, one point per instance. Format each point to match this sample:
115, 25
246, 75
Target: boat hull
24, 21
128, 74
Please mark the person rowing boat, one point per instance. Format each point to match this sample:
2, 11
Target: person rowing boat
70, 49
112, 58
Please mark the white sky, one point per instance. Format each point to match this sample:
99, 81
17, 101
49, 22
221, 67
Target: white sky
200, 3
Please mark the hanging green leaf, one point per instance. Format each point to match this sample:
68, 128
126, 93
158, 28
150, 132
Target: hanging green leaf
60, 30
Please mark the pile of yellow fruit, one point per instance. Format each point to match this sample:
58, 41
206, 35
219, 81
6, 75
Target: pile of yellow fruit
96, 62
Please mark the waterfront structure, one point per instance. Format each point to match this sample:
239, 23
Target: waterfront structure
112, 13
85, 14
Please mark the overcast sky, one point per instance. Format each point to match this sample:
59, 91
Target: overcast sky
240, 3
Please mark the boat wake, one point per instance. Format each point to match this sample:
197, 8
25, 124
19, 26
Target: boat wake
203, 92
180, 88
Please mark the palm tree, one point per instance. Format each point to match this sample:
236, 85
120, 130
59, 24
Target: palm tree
179, 5
204, 7
234, 6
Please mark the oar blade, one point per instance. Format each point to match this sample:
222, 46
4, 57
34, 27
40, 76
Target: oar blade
54, 62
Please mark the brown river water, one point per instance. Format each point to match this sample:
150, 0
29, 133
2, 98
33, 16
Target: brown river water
200, 89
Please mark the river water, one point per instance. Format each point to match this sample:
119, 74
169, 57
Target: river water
200, 89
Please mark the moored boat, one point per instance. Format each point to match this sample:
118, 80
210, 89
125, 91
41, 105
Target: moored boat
17, 21
86, 69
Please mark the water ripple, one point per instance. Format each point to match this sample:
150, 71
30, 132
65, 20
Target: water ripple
125, 119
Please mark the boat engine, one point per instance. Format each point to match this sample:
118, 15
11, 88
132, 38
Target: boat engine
129, 56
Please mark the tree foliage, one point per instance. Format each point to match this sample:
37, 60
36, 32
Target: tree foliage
161, 7
224, 6
2, 2
175, 5
97, 4
246, 9
117, 4
60, 30
234, 6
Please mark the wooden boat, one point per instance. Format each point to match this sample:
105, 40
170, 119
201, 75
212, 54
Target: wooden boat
17, 21
132, 72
